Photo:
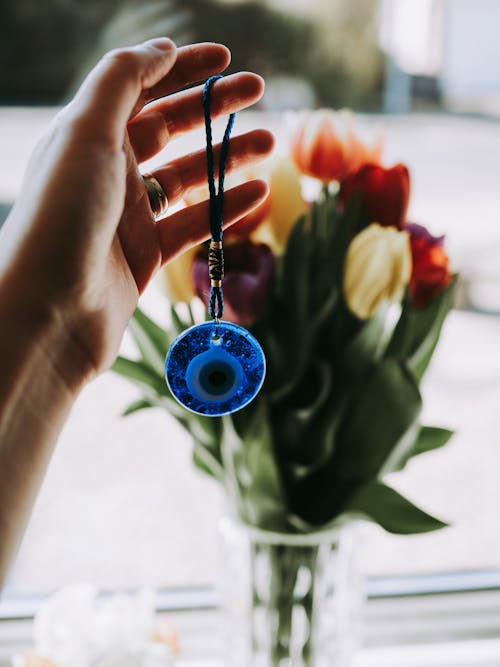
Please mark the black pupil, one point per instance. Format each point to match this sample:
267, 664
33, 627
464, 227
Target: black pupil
217, 378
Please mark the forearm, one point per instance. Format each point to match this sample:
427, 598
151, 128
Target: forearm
35, 399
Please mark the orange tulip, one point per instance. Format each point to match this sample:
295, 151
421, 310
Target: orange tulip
324, 146
384, 192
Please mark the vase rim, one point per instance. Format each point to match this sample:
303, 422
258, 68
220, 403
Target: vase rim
292, 539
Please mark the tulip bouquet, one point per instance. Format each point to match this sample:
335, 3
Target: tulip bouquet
347, 300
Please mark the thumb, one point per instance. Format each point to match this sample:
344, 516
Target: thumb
112, 91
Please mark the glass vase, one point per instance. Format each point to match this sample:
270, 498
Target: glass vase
290, 600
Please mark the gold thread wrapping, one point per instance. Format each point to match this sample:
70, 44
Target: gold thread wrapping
215, 263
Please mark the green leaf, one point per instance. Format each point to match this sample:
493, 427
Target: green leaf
140, 404
379, 415
305, 451
417, 332
300, 355
153, 387
366, 346
294, 257
306, 423
148, 341
158, 336
345, 231
431, 437
389, 509
402, 452
252, 477
308, 409
206, 431
140, 373
206, 462
179, 324
294, 286
425, 439
287, 317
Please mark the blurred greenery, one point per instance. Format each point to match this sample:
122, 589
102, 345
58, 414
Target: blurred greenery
42, 43
46, 47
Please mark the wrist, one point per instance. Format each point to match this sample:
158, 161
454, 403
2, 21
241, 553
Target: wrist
36, 339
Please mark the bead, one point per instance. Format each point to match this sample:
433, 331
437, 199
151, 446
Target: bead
215, 263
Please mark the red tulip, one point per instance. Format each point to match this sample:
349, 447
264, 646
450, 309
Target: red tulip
430, 271
384, 193
247, 283
247, 224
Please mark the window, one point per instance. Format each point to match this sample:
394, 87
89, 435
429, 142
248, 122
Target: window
123, 506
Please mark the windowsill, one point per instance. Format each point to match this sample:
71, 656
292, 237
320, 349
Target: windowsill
480, 653
440, 630
472, 653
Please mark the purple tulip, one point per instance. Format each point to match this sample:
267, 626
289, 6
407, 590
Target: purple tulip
420, 232
247, 283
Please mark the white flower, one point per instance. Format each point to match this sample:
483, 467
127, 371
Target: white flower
76, 628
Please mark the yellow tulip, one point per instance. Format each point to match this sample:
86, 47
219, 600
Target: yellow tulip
176, 278
377, 269
286, 205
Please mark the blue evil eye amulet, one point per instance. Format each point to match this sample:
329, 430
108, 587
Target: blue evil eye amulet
217, 367
215, 372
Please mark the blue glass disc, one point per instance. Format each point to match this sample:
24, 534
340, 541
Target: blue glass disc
215, 375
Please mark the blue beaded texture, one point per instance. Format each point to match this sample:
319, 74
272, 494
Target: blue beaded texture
214, 369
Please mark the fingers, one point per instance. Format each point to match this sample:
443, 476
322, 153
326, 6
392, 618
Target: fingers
110, 93
125, 79
195, 62
151, 129
180, 175
184, 229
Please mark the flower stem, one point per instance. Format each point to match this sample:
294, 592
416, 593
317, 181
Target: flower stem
289, 604
325, 192
191, 316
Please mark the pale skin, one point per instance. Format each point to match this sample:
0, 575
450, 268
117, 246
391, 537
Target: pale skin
81, 243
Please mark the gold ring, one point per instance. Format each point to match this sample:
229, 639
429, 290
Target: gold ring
156, 194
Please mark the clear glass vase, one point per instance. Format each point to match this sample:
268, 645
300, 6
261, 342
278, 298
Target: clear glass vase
290, 600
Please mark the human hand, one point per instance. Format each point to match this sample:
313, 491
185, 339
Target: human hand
81, 243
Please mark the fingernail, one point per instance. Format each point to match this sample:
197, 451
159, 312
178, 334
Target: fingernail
163, 44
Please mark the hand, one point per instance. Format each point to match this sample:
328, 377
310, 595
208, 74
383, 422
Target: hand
81, 243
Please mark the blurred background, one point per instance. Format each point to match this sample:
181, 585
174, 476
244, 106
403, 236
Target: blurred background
122, 505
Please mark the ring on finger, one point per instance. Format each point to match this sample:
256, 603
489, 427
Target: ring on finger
158, 200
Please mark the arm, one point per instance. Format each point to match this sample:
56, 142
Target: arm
81, 244
35, 400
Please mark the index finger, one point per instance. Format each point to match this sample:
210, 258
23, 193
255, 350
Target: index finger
195, 62
113, 89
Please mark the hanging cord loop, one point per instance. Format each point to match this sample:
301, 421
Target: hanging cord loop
215, 253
